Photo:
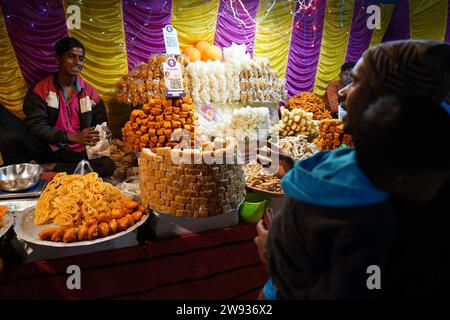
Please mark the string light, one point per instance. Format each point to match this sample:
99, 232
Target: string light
43, 13
257, 23
236, 16
341, 13
301, 4
145, 24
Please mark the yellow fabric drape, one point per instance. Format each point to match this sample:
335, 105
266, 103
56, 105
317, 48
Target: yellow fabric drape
12, 83
273, 33
103, 36
334, 43
387, 9
194, 20
428, 19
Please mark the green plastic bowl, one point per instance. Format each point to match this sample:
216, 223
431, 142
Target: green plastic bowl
253, 208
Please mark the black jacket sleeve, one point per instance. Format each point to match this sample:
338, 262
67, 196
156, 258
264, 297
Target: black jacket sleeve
99, 114
323, 253
37, 120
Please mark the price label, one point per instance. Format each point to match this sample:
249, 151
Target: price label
173, 78
171, 40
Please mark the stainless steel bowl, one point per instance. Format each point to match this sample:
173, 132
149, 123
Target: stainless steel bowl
18, 177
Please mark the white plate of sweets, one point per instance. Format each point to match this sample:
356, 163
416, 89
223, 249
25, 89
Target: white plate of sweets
29, 232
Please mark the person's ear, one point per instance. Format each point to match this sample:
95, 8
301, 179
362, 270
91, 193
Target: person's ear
58, 60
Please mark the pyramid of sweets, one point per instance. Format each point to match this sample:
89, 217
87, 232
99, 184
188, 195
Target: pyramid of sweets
153, 126
332, 135
191, 183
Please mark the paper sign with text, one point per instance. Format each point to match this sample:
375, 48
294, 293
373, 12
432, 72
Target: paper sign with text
173, 78
171, 40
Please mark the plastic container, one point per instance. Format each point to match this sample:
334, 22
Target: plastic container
253, 208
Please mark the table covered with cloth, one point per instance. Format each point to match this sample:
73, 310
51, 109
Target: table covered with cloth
218, 264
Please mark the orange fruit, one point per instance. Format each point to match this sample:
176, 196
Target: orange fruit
192, 53
212, 53
202, 45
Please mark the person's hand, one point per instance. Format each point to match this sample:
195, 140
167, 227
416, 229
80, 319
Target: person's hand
87, 137
286, 162
261, 240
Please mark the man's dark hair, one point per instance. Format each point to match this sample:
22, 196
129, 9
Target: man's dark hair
67, 43
348, 66
407, 134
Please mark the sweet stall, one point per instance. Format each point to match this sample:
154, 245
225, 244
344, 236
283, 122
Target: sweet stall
196, 93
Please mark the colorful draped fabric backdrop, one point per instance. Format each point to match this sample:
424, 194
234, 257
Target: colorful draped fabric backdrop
306, 41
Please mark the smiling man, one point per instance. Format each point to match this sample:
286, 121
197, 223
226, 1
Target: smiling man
60, 113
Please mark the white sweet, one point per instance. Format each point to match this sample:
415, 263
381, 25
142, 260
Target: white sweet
243, 123
238, 78
295, 122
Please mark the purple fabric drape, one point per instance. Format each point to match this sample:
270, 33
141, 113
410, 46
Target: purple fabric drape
399, 26
447, 33
305, 49
239, 30
360, 35
33, 28
143, 22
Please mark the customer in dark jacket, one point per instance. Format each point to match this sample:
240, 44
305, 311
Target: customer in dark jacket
402, 68
60, 113
341, 216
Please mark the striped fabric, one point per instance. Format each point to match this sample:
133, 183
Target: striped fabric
121, 32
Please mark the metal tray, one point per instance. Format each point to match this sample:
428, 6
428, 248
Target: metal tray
29, 193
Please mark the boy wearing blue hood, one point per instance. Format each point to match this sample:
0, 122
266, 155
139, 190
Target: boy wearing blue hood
340, 217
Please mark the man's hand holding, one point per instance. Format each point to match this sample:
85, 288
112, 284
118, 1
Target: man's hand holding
87, 137
261, 240
286, 162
